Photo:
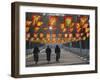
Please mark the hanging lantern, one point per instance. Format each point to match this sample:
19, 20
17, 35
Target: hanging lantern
71, 29
54, 40
53, 35
35, 19
77, 25
52, 20
87, 30
65, 29
48, 35
72, 24
85, 25
39, 23
45, 28
60, 35
83, 19
77, 35
36, 29
35, 35
32, 39
66, 35
28, 23
62, 26
70, 35
41, 35
68, 20
78, 30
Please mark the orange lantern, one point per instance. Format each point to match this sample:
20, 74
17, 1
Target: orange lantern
28, 23
62, 26
78, 30
70, 35
48, 35
52, 20
35, 19
66, 35
35, 35
72, 24
60, 35
36, 29
53, 35
54, 40
85, 25
83, 19
65, 29
77, 35
77, 25
41, 35
71, 29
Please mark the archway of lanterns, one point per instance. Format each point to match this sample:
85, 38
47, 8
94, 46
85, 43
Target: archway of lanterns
71, 28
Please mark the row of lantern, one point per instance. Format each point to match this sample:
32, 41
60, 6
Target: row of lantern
37, 23
64, 29
66, 37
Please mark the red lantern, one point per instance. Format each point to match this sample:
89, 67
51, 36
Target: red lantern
52, 21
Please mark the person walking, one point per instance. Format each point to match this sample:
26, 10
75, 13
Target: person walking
48, 53
35, 53
57, 52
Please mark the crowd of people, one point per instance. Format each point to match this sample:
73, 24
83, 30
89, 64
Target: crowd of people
48, 54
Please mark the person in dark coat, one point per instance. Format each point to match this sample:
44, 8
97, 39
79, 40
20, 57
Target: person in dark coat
57, 52
35, 53
48, 53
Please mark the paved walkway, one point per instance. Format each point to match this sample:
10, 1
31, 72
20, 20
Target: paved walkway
67, 58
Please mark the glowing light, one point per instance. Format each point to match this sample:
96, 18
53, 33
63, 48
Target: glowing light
66, 35
50, 28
